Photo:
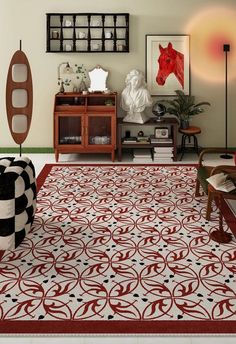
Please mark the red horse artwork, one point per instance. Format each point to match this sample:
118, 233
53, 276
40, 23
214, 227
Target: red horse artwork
170, 61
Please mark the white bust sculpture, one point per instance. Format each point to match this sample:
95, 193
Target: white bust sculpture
135, 98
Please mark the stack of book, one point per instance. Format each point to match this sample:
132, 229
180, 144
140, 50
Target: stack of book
142, 155
139, 140
161, 140
143, 139
163, 154
131, 139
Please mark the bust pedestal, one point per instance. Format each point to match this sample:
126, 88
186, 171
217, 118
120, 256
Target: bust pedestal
136, 117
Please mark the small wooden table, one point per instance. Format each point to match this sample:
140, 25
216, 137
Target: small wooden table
189, 133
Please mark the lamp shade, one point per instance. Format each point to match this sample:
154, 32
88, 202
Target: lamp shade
68, 69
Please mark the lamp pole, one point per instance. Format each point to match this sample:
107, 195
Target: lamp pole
226, 49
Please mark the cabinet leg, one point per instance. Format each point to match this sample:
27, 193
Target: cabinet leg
113, 156
56, 155
119, 154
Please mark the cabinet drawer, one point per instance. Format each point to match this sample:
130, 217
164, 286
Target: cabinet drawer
70, 108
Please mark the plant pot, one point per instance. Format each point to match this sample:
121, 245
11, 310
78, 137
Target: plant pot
184, 124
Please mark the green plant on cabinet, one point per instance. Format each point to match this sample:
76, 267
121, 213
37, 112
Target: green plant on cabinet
79, 80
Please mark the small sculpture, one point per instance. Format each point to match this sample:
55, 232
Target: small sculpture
159, 110
135, 98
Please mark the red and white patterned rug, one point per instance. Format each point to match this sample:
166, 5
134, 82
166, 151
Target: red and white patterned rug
119, 249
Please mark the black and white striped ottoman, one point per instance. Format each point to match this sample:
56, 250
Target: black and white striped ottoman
17, 200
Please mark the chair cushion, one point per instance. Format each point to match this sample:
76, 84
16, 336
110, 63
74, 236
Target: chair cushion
17, 200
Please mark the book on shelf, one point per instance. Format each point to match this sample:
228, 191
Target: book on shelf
131, 139
135, 140
161, 140
142, 153
143, 138
163, 149
164, 155
162, 160
166, 151
143, 160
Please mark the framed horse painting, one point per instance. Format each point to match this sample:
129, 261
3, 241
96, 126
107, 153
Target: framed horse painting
167, 64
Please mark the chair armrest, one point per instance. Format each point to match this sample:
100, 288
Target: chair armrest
231, 170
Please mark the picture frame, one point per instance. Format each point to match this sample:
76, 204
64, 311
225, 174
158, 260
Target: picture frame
161, 132
167, 64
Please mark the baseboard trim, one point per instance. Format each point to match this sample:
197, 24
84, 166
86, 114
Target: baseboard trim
4, 150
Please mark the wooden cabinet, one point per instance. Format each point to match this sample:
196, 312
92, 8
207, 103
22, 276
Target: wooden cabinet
88, 32
150, 126
85, 123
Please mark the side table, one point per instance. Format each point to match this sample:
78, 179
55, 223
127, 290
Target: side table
170, 122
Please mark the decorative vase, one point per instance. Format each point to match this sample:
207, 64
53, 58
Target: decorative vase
62, 89
184, 124
83, 86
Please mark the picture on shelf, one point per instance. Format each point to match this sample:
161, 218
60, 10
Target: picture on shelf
161, 132
167, 64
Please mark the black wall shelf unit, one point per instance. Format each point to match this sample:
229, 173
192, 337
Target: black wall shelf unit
87, 32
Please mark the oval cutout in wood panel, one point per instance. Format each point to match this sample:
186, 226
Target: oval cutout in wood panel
19, 72
19, 98
19, 64
19, 124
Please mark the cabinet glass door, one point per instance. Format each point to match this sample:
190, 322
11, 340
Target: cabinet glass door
70, 130
99, 130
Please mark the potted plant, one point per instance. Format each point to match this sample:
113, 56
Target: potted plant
184, 107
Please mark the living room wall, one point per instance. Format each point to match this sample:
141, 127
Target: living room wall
26, 20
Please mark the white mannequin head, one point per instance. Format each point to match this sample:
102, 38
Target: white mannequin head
135, 79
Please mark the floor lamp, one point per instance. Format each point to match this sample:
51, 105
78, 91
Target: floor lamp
226, 48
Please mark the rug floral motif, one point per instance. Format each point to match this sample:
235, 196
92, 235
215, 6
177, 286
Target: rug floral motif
120, 243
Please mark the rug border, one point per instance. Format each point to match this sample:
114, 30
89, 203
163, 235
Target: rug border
162, 327
121, 327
